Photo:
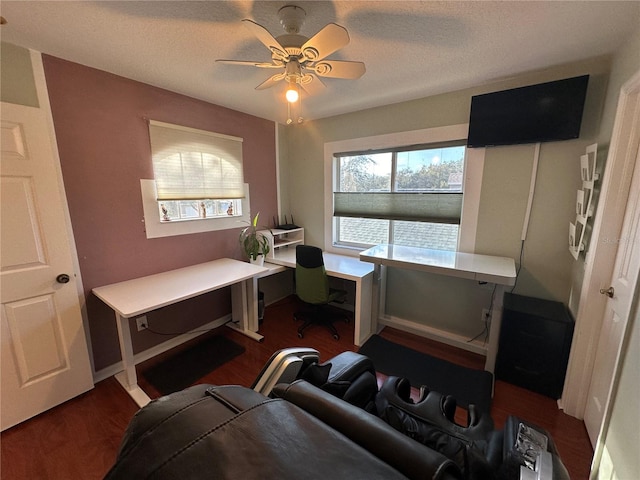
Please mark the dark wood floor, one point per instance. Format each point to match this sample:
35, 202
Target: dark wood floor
80, 438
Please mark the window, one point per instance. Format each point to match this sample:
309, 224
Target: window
404, 188
198, 179
176, 210
406, 196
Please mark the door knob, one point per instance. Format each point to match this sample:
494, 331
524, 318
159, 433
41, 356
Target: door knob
62, 278
607, 291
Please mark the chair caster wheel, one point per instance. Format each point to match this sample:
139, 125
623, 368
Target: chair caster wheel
300, 335
336, 336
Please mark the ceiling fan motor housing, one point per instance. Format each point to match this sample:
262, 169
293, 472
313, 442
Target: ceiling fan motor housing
292, 43
293, 71
292, 18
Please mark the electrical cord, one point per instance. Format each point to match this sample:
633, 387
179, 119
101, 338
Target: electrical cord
485, 330
519, 266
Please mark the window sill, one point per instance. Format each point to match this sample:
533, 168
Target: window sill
155, 228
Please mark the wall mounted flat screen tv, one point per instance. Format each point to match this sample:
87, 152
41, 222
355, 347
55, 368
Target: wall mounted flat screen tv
545, 112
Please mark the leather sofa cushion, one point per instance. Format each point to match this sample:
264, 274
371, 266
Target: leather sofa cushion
231, 432
414, 460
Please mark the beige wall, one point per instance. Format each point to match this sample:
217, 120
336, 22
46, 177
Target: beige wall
17, 84
547, 266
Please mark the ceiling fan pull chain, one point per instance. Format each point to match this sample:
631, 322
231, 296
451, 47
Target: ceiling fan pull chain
300, 110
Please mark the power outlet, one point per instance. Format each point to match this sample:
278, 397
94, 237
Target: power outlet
141, 322
486, 315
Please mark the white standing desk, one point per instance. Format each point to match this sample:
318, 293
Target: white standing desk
482, 268
348, 268
136, 297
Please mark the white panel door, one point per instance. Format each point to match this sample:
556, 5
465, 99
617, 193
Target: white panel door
623, 285
44, 355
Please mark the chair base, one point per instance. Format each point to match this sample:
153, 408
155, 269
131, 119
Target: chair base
319, 316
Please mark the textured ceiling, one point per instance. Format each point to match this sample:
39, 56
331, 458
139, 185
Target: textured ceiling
411, 49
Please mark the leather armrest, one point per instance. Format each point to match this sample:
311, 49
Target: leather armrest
149, 418
235, 397
409, 457
348, 366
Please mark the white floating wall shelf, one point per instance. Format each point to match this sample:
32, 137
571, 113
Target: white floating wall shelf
584, 197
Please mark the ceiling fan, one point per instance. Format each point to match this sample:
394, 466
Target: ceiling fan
301, 59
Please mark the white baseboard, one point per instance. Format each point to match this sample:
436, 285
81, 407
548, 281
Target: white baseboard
442, 336
140, 357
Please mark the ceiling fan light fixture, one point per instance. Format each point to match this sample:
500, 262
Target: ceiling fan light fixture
292, 94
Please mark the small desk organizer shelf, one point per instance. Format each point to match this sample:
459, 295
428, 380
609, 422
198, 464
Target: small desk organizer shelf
584, 200
279, 238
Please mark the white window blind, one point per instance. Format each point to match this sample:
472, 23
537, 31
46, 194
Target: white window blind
195, 164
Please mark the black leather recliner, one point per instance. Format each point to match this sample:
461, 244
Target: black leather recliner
476, 448
327, 420
232, 432
521, 451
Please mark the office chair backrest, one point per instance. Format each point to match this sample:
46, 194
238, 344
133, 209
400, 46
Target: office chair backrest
312, 283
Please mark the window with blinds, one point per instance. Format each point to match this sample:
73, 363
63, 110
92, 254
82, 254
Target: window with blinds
407, 196
198, 174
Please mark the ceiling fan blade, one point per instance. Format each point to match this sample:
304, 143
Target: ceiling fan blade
271, 81
339, 69
266, 38
331, 38
312, 84
250, 63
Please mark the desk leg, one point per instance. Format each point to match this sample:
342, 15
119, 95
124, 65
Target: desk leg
244, 314
252, 305
376, 296
128, 378
365, 324
494, 332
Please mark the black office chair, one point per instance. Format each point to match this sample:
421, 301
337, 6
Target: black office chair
312, 287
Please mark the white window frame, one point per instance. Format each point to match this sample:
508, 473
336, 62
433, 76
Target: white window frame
473, 170
155, 228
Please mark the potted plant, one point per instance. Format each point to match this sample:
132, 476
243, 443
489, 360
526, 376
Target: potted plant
254, 244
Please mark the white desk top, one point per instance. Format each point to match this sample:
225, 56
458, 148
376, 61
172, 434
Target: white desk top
141, 295
483, 268
339, 266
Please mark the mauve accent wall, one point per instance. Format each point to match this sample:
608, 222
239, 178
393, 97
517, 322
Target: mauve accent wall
100, 121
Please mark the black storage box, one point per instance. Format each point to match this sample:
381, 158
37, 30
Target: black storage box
535, 340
